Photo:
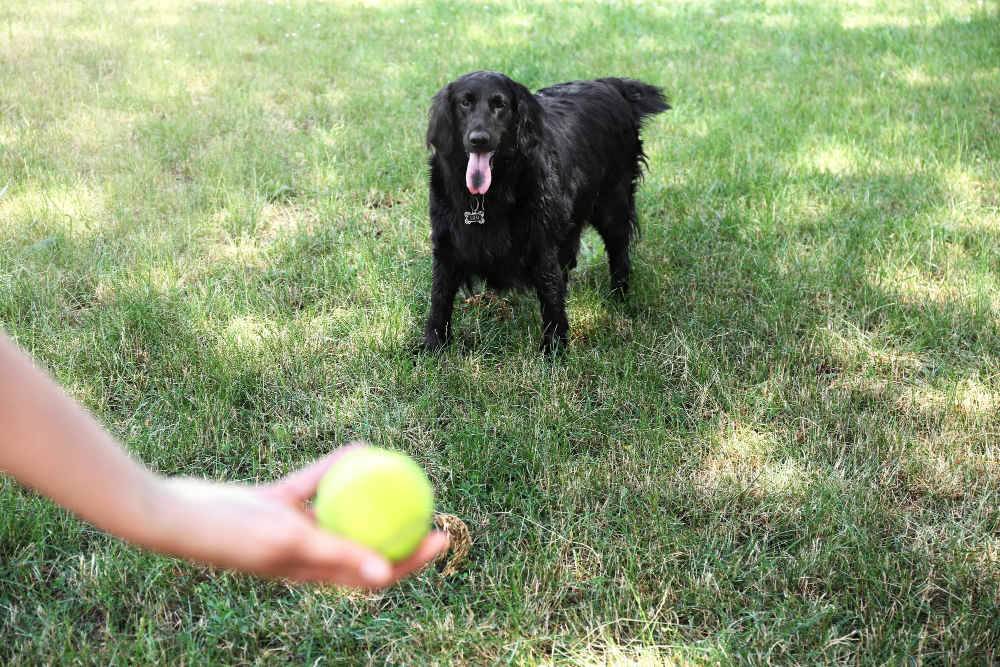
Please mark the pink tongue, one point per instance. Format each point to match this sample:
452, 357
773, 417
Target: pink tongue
478, 175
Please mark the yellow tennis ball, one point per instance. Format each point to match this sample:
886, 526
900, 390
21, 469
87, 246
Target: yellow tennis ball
378, 498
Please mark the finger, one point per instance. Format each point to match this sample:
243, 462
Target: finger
435, 542
300, 486
327, 576
344, 558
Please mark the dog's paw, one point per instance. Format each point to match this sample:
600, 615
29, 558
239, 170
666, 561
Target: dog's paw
431, 345
619, 290
553, 347
425, 349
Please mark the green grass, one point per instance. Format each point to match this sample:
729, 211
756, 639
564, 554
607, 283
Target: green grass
783, 447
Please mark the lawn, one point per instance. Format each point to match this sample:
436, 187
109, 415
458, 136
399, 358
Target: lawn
782, 447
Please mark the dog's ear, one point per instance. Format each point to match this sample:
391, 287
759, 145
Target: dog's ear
441, 129
529, 118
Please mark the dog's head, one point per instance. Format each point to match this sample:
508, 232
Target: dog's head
479, 114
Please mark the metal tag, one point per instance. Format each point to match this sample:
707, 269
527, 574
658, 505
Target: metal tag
475, 216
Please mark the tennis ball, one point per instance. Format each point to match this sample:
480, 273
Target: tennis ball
378, 498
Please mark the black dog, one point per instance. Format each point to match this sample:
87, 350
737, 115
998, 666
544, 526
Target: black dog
516, 176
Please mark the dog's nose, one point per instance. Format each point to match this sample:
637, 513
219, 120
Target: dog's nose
478, 139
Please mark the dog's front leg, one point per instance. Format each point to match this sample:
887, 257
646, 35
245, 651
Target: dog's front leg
446, 282
551, 290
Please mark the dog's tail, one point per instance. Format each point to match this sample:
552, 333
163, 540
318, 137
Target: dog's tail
645, 100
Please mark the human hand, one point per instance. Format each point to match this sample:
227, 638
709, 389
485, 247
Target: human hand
50, 444
267, 530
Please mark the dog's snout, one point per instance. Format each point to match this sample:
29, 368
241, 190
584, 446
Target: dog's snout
479, 139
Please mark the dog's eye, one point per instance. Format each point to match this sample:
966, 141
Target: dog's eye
499, 104
465, 103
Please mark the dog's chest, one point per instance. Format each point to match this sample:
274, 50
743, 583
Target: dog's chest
496, 249
485, 243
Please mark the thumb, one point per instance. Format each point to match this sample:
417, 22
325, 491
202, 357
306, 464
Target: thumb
300, 486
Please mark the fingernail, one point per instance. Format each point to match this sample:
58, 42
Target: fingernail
375, 570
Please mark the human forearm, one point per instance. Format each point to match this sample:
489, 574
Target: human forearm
49, 443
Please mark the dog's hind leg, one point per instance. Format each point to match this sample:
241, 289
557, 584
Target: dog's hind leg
616, 221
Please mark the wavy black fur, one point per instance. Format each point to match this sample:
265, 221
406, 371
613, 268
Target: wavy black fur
564, 157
